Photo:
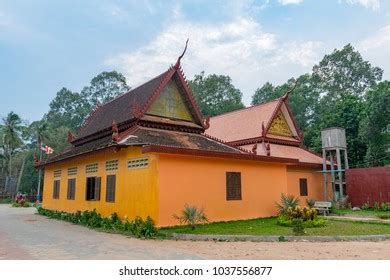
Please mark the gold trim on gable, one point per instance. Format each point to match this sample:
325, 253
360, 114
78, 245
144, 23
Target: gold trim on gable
280, 126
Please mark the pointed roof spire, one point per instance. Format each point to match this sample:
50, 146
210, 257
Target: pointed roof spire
177, 64
285, 96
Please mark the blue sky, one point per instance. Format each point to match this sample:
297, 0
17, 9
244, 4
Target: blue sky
46, 45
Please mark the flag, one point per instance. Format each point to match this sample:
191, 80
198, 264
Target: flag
48, 150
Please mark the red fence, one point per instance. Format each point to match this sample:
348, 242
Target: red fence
368, 185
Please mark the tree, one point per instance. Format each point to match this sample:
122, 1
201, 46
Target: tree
344, 72
12, 130
374, 127
105, 87
264, 94
67, 109
216, 94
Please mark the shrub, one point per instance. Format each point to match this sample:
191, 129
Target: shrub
286, 201
377, 206
138, 227
385, 206
310, 203
301, 213
298, 227
365, 206
285, 221
342, 203
20, 201
6, 200
191, 216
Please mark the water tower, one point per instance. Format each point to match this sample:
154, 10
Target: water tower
334, 148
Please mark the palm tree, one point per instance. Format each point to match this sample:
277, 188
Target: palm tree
12, 137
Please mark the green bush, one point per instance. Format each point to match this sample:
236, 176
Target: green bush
138, 227
191, 216
298, 226
301, 213
286, 201
365, 206
283, 220
6, 200
310, 203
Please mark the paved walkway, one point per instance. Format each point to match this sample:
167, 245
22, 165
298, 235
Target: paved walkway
359, 218
25, 235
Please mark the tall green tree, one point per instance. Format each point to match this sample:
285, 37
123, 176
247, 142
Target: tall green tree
216, 94
345, 72
104, 87
265, 93
12, 130
343, 79
67, 109
375, 125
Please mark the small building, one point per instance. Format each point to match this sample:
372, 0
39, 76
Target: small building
146, 153
269, 129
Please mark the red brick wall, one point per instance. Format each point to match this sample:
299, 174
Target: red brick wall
368, 185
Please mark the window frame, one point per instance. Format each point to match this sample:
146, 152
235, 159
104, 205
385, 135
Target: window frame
303, 183
233, 180
110, 188
71, 192
56, 189
92, 192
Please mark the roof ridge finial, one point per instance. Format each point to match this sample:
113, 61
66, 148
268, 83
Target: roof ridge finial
181, 56
285, 96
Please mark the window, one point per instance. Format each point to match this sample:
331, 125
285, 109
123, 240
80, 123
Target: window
56, 189
71, 189
110, 188
93, 188
233, 186
112, 165
57, 173
303, 186
91, 168
137, 163
72, 171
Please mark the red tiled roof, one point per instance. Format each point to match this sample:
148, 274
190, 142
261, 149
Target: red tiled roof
119, 109
122, 109
285, 151
242, 124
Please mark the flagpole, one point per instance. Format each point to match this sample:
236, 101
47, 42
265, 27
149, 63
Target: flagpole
39, 175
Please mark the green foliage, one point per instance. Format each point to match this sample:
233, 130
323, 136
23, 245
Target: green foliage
105, 87
191, 216
67, 109
310, 203
216, 94
286, 201
298, 227
138, 227
301, 213
365, 206
6, 200
373, 127
345, 73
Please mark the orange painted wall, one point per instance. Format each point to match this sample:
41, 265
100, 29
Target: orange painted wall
136, 189
315, 184
201, 181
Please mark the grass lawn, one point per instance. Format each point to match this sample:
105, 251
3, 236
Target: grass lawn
369, 212
268, 226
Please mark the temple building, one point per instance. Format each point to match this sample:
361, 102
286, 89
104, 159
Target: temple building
150, 151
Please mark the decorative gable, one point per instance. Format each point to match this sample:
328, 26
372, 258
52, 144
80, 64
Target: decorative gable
170, 104
279, 126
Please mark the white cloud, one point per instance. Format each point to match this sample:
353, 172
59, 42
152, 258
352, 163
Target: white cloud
240, 49
376, 49
288, 2
370, 4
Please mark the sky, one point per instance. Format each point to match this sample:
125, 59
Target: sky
46, 45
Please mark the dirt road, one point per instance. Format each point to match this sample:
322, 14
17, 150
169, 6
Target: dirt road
25, 235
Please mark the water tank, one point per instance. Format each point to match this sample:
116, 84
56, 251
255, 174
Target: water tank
333, 137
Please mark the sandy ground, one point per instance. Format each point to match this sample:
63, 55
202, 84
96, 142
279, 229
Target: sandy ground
25, 235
